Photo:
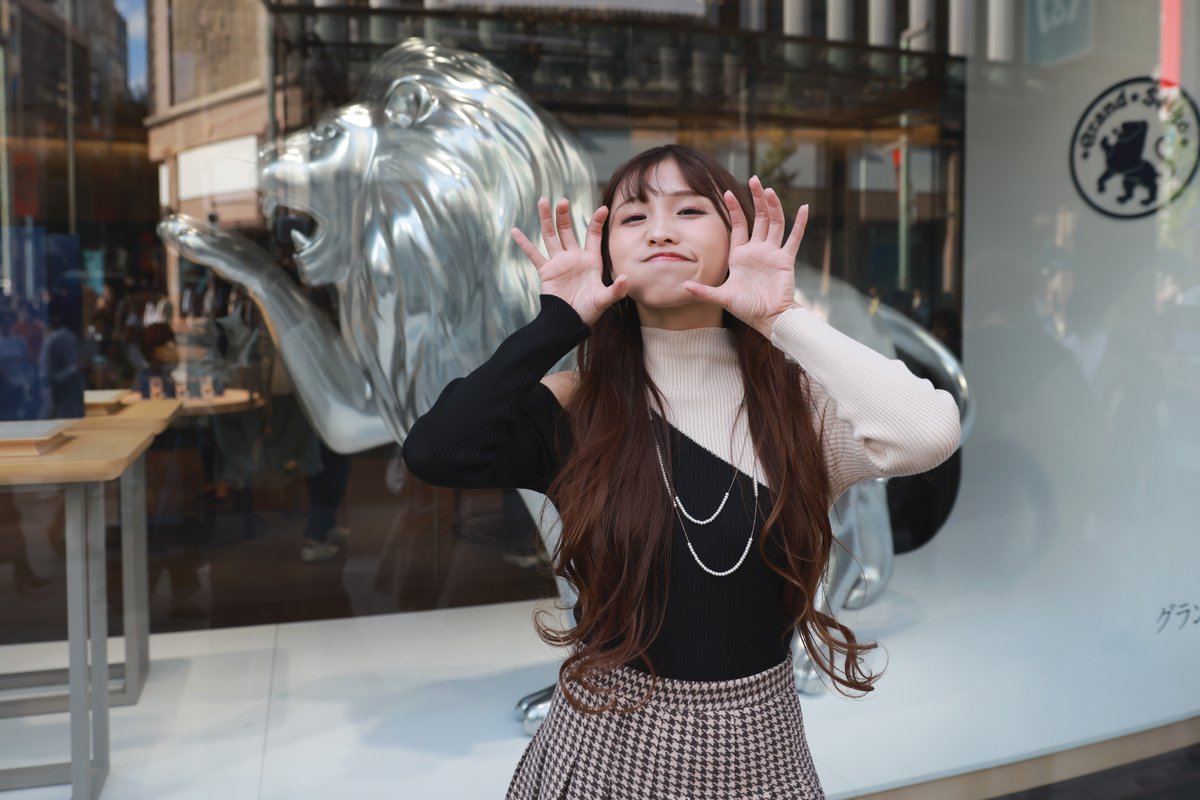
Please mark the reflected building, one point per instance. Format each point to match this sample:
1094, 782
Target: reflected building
75, 145
826, 107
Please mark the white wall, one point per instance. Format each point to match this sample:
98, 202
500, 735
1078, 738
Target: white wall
1075, 527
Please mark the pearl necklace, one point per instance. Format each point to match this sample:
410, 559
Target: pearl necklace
676, 503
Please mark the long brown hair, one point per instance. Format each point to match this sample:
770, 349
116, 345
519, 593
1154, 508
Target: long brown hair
616, 520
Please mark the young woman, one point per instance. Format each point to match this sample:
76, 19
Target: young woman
693, 457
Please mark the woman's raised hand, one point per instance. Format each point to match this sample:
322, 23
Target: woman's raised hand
568, 271
762, 266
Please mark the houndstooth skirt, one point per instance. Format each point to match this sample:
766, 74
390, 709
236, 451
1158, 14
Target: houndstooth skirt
694, 740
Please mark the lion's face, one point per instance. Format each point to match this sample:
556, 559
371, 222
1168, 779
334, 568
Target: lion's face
436, 125
413, 190
324, 171
319, 172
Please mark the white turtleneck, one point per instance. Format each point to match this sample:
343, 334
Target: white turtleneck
879, 419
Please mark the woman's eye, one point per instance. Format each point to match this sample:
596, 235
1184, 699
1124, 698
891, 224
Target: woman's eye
633, 218
692, 211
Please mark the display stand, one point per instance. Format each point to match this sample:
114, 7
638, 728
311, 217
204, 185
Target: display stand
155, 415
80, 466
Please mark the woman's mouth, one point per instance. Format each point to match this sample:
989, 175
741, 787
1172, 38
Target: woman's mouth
667, 257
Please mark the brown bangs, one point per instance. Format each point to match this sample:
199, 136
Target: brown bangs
636, 180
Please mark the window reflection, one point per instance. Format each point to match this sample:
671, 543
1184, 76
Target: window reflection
252, 518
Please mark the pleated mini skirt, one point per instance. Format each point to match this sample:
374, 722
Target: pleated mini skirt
741, 739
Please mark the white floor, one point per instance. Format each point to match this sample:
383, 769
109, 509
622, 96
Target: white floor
407, 705
387, 706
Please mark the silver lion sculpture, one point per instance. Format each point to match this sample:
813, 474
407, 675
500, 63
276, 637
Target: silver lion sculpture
413, 190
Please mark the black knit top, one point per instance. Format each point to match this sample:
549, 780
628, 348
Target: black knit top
498, 427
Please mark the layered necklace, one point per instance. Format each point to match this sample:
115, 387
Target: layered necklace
681, 512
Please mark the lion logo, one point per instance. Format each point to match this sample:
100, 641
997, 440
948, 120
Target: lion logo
1124, 157
1143, 134
410, 192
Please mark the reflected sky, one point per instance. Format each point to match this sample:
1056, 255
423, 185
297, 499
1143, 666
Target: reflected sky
134, 12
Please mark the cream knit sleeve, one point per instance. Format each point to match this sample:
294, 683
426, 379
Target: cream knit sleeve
879, 419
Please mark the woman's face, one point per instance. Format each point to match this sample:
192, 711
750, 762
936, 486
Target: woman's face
674, 236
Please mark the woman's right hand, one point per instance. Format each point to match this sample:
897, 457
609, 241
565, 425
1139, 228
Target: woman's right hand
568, 271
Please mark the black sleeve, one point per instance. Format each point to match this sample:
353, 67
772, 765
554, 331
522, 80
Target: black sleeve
495, 428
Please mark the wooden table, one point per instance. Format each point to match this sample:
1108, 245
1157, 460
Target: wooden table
80, 467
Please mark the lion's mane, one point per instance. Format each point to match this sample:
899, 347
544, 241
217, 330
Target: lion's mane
436, 264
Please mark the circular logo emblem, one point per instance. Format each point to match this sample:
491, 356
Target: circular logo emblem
1136, 148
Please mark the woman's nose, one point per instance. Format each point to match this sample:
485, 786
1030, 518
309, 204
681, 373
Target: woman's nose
661, 232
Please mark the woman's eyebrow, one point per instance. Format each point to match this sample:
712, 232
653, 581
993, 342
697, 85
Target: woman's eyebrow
679, 193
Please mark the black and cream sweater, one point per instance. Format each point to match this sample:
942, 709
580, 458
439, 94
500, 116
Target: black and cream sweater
497, 428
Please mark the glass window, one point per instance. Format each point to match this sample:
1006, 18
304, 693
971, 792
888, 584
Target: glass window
262, 231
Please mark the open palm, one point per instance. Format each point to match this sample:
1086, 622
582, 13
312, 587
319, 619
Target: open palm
567, 271
762, 266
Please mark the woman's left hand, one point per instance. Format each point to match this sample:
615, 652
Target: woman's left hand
762, 266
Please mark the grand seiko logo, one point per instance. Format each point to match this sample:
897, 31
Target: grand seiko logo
1135, 148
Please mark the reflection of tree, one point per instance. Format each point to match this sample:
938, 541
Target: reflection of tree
213, 32
214, 44
1176, 229
772, 170
772, 167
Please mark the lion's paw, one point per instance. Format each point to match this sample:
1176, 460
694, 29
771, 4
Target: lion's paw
228, 253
